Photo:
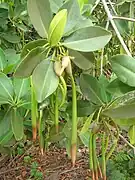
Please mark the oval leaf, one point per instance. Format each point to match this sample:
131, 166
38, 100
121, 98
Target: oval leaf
82, 60
122, 112
124, 67
31, 45
21, 87
118, 88
29, 62
17, 125
88, 39
3, 61
6, 89
57, 26
131, 134
44, 80
40, 15
91, 88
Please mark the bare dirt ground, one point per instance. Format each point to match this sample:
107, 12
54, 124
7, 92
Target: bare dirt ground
54, 165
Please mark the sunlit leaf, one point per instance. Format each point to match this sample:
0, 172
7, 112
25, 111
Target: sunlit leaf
88, 39
124, 67
131, 134
57, 26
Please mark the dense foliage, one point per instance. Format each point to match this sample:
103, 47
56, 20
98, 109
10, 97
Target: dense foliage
67, 74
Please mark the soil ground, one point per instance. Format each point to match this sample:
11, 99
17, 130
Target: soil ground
54, 165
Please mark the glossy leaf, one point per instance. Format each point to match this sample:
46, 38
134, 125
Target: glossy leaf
21, 87
131, 134
122, 112
29, 62
17, 125
88, 39
6, 89
82, 60
31, 45
40, 15
124, 67
91, 88
44, 80
57, 26
3, 61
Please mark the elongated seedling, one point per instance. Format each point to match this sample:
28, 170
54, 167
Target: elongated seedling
74, 122
56, 113
33, 112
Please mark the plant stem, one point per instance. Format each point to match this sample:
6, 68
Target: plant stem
91, 156
128, 143
63, 95
74, 122
64, 84
94, 156
124, 18
56, 113
33, 111
41, 139
103, 157
110, 17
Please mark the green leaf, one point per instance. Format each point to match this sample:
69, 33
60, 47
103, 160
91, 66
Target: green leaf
6, 89
21, 87
17, 125
82, 60
91, 89
31, 45
131, 134
3, 61
81, 4
86, 125
118, 88
5, 122
40, 16
55, 5
6, 137
88, 39
125, 122
57, 26
122, 112
11, 37
84, 108
85, 138
29, 62
44, 80
124, 67
74, 16
103, 81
